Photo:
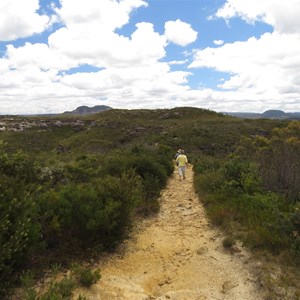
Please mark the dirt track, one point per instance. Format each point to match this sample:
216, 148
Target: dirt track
176, 255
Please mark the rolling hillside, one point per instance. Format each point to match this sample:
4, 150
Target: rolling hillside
196, 130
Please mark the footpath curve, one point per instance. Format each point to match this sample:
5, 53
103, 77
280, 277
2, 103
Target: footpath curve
175, 255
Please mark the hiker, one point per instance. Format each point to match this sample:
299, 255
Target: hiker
182, 163
177, 153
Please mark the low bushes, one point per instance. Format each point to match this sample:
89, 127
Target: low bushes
19, 229
83, 201
277, 157
98, 211
60, 289
153, 168
234, 194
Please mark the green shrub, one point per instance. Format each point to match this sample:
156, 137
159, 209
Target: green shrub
241, 177
98, 206
258, 208
27, 283
151, 188
142, 160
206, 164
74, 201
19, 231
151, 193
53, 175
209, 182
262, 237
165, 154
61, 290
101, 210
278, 157
295, 246
17, 165
64, 287
120, 196
167, 164
234, 194
148, 166
83, 169
87, 277
31, 294
115, 164
291, 228
220, 214
27, 279
228, 242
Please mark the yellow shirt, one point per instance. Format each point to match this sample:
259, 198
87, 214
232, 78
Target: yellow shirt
182, 160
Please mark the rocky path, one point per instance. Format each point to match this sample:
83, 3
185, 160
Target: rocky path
176, 255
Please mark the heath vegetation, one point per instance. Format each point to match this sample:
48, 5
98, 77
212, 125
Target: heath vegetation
71, 185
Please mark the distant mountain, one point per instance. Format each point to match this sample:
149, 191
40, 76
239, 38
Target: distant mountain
269, 114
85, 110
274, 114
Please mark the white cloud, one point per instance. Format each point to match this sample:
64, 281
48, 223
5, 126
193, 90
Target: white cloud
19, 19
131, 86
89, 35
282, 15
131, 64
264, 71
103, 48
37, 55
267, 65
218, 42
104, 13
44, 91
180, 33
178, 62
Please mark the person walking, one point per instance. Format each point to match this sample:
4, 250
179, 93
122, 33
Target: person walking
177, 153
182, 163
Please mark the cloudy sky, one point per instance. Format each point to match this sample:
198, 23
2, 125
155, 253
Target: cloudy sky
224, 55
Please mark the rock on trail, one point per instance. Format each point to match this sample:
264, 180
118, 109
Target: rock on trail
175, 255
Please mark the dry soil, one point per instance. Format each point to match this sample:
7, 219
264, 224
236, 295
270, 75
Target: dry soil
176, 255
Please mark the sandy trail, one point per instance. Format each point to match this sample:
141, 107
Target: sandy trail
175, 255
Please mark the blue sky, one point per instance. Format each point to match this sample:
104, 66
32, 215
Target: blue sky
223, 55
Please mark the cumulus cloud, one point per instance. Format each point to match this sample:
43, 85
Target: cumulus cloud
130, 67
89, 35
264, 68
180, 33
37, 55
282, 15
132, 71
218, 42
19, 19
138, 79
131, 87
177, 62
268, 65
104, 13
103, 48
